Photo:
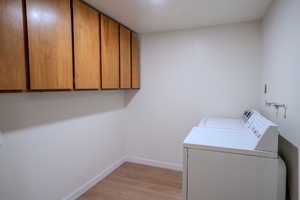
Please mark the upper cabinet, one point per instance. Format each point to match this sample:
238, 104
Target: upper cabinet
50, 44
86, 46
110, 68
135, 59
12, 50
125, 58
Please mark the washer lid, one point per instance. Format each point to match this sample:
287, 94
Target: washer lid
241, 142
223, 123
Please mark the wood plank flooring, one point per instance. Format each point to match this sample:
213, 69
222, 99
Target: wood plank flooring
138, 182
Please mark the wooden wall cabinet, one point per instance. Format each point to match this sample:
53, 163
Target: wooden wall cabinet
40, 42
135, 59
125, 58
110, 53
50, 44
86, 46
12, 50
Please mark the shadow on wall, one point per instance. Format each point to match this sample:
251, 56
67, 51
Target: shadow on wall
289, 154
24, 110
128, 96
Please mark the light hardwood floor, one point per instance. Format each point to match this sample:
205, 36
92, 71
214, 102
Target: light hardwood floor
138, 182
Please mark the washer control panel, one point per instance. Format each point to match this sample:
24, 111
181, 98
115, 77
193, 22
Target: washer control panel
258, 124
247, 114
264, 130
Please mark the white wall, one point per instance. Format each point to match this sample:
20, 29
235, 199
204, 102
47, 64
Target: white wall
187, 75
281, 49
281, 32
55, 142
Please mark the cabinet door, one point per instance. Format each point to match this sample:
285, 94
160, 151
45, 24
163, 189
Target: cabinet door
50, 44
109, 53
125, 58
135, 59
86, 46
12, 51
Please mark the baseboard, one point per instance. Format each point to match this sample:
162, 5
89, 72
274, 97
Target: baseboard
154, 163
88, 185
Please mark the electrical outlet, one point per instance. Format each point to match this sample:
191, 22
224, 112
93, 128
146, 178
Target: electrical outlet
266, 89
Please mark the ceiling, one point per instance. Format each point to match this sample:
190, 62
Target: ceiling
146, 16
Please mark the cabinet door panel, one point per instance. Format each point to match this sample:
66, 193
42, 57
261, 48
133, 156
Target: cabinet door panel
50, 44
135, 59
125, 58
12, 50
86, 46
109, 53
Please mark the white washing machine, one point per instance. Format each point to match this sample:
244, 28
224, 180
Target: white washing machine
233, 159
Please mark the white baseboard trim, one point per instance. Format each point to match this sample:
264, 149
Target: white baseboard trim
88, 185
154, 163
